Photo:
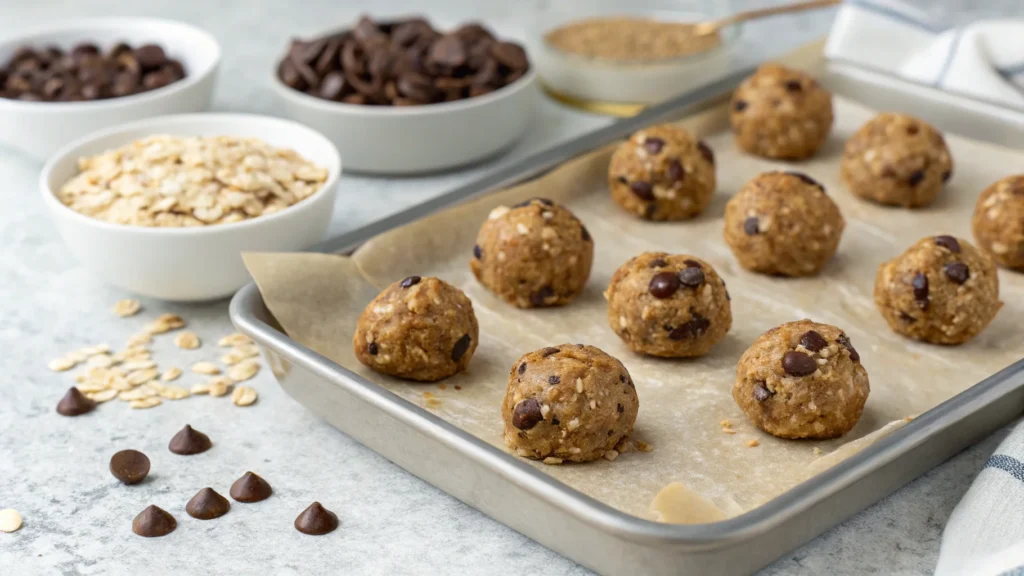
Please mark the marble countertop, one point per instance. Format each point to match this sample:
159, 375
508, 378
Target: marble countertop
77, 518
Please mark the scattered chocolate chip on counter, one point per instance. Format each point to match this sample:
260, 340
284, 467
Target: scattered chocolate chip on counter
74, 403
402, 63
154, 522
129, 466
207, 504
86, 72
250, 488
316, 520
189, 441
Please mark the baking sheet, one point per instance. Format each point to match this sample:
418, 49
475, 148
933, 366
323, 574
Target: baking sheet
317, 298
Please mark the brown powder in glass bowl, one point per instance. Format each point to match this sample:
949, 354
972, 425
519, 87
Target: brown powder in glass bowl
624, 39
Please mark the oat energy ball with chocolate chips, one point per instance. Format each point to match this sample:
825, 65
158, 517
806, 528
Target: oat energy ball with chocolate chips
802, 380
674, 306
999, 222
661, 173
533, 254
897, 160
781, 113
419, 329
783, 223
569, 402
941, 290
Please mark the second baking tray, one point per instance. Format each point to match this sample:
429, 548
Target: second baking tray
567, 520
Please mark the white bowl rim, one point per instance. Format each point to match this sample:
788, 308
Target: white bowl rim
120, 21
50, 195
403, 111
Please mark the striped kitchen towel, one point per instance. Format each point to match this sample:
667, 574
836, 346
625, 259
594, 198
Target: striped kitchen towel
985, 534
983, 59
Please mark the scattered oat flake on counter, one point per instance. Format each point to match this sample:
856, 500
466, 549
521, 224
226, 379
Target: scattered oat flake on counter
753, 443
127, 307
643, 446
611, 455
174, 393
102, 396
244, 371
144, 403
207, 368
95, 350
199, 389
817, 451
235, 339
10, 520
219, 386
171, 374
187, 340
100, 361
139, 339
165, 323
243, 396
61, 364
231, 358
552, 460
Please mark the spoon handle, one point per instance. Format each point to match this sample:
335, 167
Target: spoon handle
738, 17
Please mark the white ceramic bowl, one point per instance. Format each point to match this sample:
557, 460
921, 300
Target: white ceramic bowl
416, 139
189, 264
41, 128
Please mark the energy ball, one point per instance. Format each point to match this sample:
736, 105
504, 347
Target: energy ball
569, 402
781, 113
418, 329
941, 290
661, 173
802, 380
896, 160
674, 306
783, 223
533, 254
999, 222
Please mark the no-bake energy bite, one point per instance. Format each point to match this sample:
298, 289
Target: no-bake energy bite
781, 113
897, 160
998, 222
662, 173
783, 223
569, 402
418, 328
534, 254
668, 305
941, 290
802, 380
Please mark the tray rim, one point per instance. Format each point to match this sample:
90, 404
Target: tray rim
247, 306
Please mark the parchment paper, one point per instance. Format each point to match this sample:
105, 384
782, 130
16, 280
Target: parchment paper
318, 298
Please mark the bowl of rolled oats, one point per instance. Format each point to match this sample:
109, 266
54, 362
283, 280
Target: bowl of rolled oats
164, 207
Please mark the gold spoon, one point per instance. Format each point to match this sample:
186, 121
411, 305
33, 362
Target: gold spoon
714, 26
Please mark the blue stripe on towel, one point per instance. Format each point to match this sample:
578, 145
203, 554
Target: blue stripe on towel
1018, 571
894, 14
1008, 464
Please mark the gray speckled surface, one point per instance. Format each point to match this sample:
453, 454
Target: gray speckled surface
54, 470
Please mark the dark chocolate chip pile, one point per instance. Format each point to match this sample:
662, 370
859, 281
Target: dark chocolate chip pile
402, 63
86, 72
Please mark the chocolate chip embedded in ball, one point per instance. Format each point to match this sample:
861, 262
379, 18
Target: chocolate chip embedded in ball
653, 145
706, 152
410, 281
751, 226
675, 171
250, 488
316, 520
74, 403
642, 190
189, 441
549, 351
527, 414
957, 272
813, 341
798, 364
761, 392
844, 340
663, 285
920, 286
129, 466
695, 327
949, 243
154, 522
207, 504
461, 346
691, 276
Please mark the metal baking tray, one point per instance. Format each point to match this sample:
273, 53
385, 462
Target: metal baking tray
567, 521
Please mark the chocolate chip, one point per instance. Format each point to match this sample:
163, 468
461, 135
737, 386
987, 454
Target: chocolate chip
410, 282
813, 341
448, 52
949, 243
653, 145
527, 414
584, 234
154, 522
844, 340
920, 286
510, 55
657, 263
207, 504
798, 364
316, 520
793, 86
727, 296
957, 272
372, 348
650, 210
622, 378
250, 488
691, 276
540, 297
663, 285
739, 105
549, 351
675, 171
620, 408
460, 348
916, 178
706, 152
761, 392
622, 180
188, 441
478, 253
947, 175
129, 466
554, 379
74, 403
522, 368
555, 421
332, 86
912, 129
751, 226
806, 179
642, 190
692, 263
150, 56
693, 328
904, 317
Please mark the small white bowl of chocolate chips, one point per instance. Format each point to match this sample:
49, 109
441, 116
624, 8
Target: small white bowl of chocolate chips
401, 97
64, 80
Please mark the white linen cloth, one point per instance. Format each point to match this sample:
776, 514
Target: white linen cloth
983, 59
